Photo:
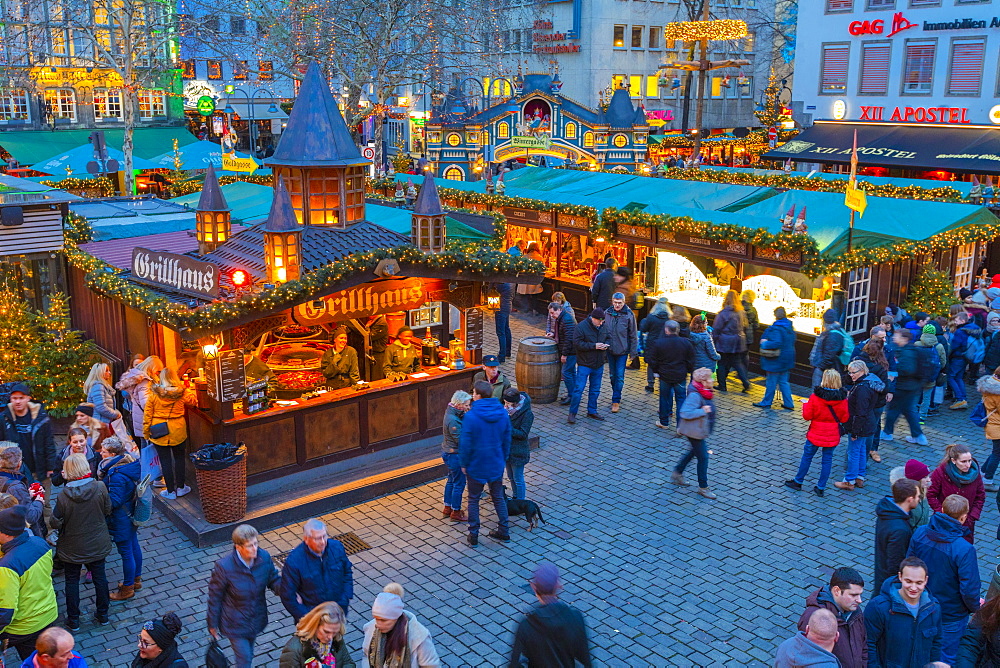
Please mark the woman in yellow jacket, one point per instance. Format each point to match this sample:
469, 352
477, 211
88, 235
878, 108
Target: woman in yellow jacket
165, 427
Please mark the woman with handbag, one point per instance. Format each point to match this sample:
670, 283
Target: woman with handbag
729, 331
165, 427
826, 410
989, 390
697, 419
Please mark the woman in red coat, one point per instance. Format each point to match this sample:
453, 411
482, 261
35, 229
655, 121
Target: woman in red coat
958, 474
825, 409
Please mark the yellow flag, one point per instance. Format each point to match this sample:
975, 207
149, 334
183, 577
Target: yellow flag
230, 163
856, 199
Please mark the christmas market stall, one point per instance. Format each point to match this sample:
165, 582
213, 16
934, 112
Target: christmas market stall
329, 344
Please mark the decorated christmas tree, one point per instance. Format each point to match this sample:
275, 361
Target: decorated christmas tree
15, 334
931, 292
58, 359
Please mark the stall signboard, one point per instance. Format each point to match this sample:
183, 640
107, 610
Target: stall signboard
389, 296
527, 215
473, 329
178, 273
720, 246
573, 221
226, 376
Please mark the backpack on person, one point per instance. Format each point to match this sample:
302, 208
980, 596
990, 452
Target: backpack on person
929, 367
143, 508
975, 350
847, 349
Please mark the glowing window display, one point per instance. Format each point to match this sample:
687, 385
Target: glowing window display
682, 282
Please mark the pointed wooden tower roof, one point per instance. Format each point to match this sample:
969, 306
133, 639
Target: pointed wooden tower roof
281, 218
212, 198
428, 202
316, 134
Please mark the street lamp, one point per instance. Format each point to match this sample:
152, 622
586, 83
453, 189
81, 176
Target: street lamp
273, 109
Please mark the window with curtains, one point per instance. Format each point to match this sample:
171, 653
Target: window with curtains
881, 4
14, 106
833, 70
107, 104
918, 68
874, 69
966, 74
62, 102
839, 5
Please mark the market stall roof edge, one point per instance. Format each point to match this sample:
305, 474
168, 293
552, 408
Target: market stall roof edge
29, 147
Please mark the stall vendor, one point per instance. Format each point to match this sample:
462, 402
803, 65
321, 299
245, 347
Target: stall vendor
378, 339
402, 356
340, 363
254, 368
724, 272
491, 374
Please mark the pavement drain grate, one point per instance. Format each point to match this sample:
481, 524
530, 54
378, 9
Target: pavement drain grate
352, 545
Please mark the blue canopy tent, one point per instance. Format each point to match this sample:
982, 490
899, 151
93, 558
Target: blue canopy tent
195, 156
76, 160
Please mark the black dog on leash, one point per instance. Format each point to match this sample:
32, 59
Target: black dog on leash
529, 509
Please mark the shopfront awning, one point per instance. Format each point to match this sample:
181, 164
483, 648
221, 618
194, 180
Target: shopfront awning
261, 110
952, 148
29, 147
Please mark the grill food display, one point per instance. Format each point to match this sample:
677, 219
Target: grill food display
294, 356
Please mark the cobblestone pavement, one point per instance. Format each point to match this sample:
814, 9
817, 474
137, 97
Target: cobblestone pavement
664, 577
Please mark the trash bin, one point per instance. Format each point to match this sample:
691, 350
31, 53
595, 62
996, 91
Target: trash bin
221, 471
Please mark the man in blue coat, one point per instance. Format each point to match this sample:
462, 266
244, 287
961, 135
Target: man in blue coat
484, 446
316, 571
236, 605
904, 621
779, 337
953, 570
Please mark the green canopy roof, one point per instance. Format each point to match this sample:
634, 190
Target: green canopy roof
31, 146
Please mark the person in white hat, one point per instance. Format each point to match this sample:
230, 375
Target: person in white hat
394, 638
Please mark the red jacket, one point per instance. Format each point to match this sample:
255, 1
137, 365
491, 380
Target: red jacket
943, 486
824, 431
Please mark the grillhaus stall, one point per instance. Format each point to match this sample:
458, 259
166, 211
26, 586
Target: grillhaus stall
691, 241
251, 317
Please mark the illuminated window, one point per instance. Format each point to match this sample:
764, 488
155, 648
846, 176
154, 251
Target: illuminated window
918, 67
62, 103
503, 131
190, 69
428, 315
619, 39
484, 137
454, 174
14, 106
240, 69
635, 85
652, 86
620, 141
266, 69
833, 69
571, 131
152, 103
588, 139
107, 104
214, 69
470, 138
454, 139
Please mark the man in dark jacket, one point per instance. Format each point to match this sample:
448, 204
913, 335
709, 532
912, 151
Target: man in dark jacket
907, 391
624, 340
960, 339
27, 423
812, 647
652, 328
903, 622
672, 357
591, 342
892, 528
916, 325
236, 605
553, 634
484, 446
828, 347
564, 330
953, 570
317, 570
502, 320
842, 598
604, 285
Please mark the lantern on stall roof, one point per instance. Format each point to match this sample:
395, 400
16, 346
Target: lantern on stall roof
427, 222
213, 224
492, 297
282, 238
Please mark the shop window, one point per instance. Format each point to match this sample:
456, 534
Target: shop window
619, 38
965, 264
454, 174
588, 140
14, 106
107, 104
190, 69
859, 283
637, 32
620, 141
428, 315
570, 131
503, 131
62, 103
152, 104
966, 75
874, 69
214, 69
839, 5
833, 70
265, 69
918, 69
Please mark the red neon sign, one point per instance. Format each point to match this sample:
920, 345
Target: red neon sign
877, 27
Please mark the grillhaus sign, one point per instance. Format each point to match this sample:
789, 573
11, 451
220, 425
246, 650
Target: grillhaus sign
179, 273
365, 300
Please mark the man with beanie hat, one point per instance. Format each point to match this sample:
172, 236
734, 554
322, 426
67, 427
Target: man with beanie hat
933, 355
553, 634
27, 598
27, 424
917, 471
591, 341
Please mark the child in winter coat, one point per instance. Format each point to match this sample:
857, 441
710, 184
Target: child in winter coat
825, 409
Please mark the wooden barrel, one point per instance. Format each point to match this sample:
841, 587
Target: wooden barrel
538, 369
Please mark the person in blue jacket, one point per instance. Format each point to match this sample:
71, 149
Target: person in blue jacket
779, 336
54, 647
964, 330
316, 571
237, 607
903, 622
953, 570
484, 446
121, 475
